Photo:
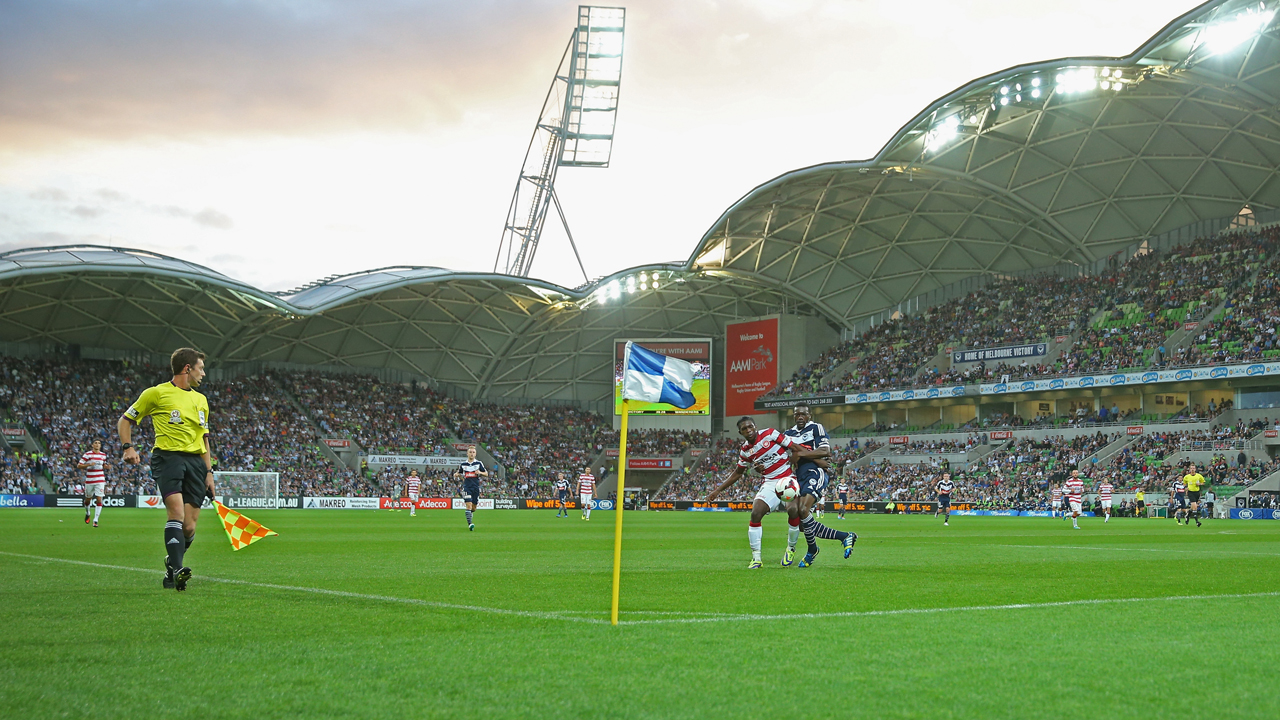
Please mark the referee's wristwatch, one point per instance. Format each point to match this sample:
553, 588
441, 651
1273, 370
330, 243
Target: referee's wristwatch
125, 446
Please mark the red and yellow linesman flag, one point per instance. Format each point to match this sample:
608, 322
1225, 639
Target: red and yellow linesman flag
240, 529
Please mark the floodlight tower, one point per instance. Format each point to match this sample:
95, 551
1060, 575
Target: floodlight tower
575, 129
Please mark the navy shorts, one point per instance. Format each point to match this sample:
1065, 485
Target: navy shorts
944, 501
471, 493
843, 498
813, 481
1180, 500
564, 495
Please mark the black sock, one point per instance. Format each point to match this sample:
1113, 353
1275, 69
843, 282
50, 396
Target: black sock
827, 533
808, 526
190, 537
468, 517
947, 517
173, 543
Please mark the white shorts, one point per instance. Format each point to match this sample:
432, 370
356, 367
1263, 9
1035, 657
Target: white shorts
1075, 506
585, 500
1106, 504
94, 490
770, 496
413, 496
1057, 504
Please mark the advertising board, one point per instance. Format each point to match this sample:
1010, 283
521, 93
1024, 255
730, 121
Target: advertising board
697, 352
751, 364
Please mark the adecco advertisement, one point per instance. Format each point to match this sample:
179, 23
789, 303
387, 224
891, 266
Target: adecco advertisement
751, 364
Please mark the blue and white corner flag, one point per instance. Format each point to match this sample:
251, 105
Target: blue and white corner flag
656, 378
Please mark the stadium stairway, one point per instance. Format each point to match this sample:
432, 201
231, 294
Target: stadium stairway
690, 463
978, 452
876, 456
36, 439
1109, 450
1269, 483
320, 432
1183, 337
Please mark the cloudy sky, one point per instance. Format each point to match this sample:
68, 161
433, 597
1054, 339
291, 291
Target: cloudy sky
279, 141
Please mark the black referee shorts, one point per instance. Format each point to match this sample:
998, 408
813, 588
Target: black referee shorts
180, 472
1193, 495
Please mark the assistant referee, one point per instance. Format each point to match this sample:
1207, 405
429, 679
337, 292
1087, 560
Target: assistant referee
180, 462
1193, 480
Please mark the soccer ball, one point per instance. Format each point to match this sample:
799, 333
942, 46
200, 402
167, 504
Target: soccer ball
787, 489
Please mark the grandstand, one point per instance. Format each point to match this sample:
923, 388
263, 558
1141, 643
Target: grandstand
1066, 265
1113, 214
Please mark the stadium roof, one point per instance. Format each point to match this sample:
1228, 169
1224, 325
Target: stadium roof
1027, 168
1042, 165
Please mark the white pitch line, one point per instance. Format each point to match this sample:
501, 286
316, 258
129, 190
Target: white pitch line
930, 611
560, 615
1129, 549
333, 593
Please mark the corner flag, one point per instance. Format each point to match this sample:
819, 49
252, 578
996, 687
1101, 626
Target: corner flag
241, 530
652, 377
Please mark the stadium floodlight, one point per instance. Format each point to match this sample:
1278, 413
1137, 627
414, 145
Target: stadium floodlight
575, 129
942, 133
1225, 35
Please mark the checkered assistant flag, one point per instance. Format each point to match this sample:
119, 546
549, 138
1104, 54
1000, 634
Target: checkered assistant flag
241, 530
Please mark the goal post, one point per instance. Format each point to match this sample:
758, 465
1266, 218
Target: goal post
248, 489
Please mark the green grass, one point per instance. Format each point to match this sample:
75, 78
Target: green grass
88, 641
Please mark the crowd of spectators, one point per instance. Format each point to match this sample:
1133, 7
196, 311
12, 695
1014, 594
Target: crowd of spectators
18, 472
70, 403
930, 447
381, 417
1148, 299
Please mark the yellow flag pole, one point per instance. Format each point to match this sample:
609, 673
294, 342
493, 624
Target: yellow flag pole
617, 529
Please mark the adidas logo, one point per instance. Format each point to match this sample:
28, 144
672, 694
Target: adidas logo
172, 541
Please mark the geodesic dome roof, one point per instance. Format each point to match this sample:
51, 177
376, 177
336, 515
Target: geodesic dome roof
1065, 161
1018, 171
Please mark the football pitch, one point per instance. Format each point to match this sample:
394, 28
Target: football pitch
378, 614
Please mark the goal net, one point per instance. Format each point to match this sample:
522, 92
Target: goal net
248, 489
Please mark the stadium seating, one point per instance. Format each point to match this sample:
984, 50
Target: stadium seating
1119, 320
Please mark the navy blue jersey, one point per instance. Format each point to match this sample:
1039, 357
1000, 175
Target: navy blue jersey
562, 485
945, 487
469, 470
811, 437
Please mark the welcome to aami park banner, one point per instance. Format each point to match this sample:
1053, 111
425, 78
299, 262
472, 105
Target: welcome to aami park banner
1220, 372
750, 363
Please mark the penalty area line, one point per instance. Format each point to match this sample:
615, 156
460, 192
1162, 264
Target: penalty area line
333, 593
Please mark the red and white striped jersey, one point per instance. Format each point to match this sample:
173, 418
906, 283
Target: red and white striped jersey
1074, 488
1104, 492
770, 451
96, 461
586, 484
1057, 495
413, 483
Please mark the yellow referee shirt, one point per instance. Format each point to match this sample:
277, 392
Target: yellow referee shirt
180, 417
1193, 481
